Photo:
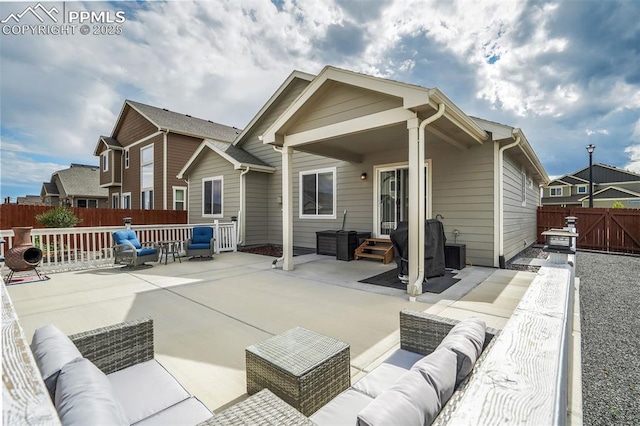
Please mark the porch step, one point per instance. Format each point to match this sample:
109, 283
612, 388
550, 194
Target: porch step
375, 248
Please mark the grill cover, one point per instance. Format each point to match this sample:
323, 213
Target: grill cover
434, 242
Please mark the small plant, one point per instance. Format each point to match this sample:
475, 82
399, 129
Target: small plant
614, 412
60, 217
618, 205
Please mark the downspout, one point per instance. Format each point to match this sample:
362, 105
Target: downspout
165, 161
421, 190
241, 222
280, 259
501, 259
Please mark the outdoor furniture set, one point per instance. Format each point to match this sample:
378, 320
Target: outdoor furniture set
109, 375
129, 251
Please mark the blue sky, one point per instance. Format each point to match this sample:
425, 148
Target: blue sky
567, 73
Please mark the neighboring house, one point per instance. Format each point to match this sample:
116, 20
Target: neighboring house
30, 200
343, 142
147, 148
77, 186
610, 185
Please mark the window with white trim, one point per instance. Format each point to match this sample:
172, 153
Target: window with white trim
126, 200
105, 161
146, 177
115, 200
523, 190
179, 197
126, 158
555, 191
582, 189
318, 194
212, 197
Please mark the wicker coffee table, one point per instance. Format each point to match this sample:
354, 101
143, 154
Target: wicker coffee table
304, 368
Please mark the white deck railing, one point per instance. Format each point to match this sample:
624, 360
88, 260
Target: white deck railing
67, 246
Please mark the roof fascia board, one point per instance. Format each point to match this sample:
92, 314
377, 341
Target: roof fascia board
457, 116
527, 150
294, 75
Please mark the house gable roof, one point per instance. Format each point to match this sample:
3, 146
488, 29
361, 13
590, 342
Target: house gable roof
414, 99
108, 142
572, 180
81, 180
558, 182
49, 188
612, 192
239, 158
606, 174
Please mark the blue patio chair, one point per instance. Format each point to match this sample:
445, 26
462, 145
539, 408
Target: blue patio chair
202, 243
128, 250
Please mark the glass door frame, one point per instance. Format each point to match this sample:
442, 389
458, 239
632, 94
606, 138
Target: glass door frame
377, 169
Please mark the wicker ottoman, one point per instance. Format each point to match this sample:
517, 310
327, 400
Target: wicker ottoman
304, 368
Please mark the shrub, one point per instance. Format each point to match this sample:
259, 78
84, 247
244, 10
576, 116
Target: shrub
60, 217
618, 205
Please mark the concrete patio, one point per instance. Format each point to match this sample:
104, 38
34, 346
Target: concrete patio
207, 312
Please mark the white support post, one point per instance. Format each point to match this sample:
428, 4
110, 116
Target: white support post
287, 208
415, 238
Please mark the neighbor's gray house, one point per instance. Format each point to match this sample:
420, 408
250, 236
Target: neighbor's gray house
610, 185
342, 141
76, 186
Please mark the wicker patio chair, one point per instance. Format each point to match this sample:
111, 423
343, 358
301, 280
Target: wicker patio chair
202, 242
129, 251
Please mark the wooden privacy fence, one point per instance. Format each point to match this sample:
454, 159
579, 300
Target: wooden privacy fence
24, 215
614, 230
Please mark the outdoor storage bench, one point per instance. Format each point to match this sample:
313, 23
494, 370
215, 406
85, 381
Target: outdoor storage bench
109, 376
414, 384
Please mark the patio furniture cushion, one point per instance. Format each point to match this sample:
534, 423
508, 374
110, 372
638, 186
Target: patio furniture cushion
84, 396
466, 340
190, 411
146, 389
200, 246
52, 349
125, 236
342, 410
440, 369
146, 251
202, 235
412, 400
386, 374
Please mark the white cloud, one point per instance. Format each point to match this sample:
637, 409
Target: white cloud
634, 155
19, 170
590, 132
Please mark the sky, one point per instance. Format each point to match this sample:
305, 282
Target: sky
566, 72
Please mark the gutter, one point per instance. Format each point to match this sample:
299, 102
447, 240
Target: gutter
421, 189
165, 161
501, 259
280, 259
241, 222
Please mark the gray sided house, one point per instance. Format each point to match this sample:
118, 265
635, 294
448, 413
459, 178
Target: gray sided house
343, 141
610, 185
76, 186
147, 147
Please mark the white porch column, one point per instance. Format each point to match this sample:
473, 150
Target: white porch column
287, 208
416, 237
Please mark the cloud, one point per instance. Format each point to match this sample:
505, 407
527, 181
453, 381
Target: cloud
590, 132
19, 170
634, 155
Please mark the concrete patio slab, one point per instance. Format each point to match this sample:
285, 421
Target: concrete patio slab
207, 312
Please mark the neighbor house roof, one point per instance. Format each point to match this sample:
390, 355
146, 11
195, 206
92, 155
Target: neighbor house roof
239, 158
612, 192
50, 188
606, 174
183, 123
81, 180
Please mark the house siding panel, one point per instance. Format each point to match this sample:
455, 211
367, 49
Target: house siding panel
133, 127
117, 167
519, 221
131, 176
210, 165
180, 149
257, 208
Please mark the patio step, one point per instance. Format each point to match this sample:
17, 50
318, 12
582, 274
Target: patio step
375, 248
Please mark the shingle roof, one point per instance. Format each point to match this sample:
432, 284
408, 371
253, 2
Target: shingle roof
573, 199
82, 180
50, 188
111, 142
182, 123
573, 180
243, 156
606, 174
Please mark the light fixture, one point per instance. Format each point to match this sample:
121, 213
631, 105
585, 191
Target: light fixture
590, 149
363, 176
559, 241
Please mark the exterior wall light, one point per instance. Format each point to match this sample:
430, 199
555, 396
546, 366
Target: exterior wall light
363, 176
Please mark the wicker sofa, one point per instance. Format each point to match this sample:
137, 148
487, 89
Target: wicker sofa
110, 376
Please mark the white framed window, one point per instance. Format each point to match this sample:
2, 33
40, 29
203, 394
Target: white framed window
318, 194
126, 158
179, 197
146, 177
115, 200
523, 190
105, 161
555, 191
212, 197
582, 189
126, 200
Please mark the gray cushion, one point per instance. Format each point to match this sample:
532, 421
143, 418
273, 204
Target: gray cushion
188, 412
386, 374
84, 396
439, 368
465, 339
52, 349
146, 389
411, 401
342, 410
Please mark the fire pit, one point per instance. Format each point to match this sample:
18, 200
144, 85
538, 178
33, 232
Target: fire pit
23, 255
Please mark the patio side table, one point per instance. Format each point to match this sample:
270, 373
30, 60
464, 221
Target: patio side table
304, 368
168, 247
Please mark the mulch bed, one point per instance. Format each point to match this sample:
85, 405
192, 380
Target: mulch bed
272, 250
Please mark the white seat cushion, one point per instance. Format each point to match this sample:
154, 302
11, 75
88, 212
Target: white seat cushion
466, 340
188, 412
342, 410
146, 389
386, 374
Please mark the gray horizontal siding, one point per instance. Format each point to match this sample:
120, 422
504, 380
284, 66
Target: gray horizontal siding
257, 208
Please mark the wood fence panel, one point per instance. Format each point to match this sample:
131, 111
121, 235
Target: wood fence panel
615, 230
24, 215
